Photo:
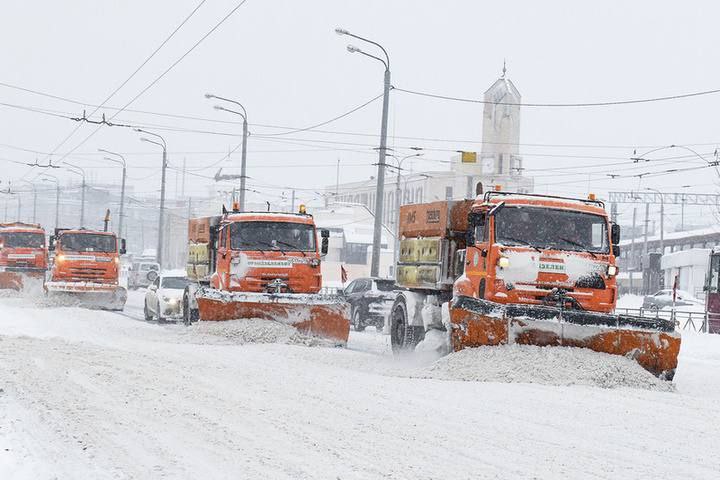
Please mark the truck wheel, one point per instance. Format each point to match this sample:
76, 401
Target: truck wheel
357, 321
148, 317
403, 336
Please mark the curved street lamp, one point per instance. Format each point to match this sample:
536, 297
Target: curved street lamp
382, 151
121, 214
243, 161
161, 220
55, 179
79, 171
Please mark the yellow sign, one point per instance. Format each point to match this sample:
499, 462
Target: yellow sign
468, 157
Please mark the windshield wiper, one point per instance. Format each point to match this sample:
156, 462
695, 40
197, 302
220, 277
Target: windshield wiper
580, 245
521, 242
293, 247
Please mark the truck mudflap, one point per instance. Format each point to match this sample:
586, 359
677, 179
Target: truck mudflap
652, 342
103, 296
17, 278
326, 316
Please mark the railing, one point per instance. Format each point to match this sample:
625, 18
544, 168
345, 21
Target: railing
684, 320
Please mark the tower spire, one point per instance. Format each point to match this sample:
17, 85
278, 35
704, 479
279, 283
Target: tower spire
504, 69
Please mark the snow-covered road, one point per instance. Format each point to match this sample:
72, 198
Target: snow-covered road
98, 395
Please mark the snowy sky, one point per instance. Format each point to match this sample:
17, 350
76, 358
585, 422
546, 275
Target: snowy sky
282, 59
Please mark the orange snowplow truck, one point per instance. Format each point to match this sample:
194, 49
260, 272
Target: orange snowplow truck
86, 268
23, 255
261, 265
520, 268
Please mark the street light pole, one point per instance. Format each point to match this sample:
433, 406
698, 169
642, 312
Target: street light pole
57, 197
34, 211
380, 189
662, 219
122, 188
398, 194
243, 163
82, 190
161, 220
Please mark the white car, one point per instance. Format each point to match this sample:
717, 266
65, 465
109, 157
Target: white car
163, 299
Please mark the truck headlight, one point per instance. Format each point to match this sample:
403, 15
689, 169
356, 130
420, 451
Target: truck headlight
612, 270
503, 262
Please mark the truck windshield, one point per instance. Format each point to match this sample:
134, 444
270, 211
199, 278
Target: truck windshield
88, 242
285, 236
551, 228
22, 240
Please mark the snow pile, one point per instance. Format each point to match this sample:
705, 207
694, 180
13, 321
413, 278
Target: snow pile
241, 332
559, 366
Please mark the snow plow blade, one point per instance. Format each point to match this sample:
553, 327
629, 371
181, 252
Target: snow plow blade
18, 279
325, 316
103, 296
652, 342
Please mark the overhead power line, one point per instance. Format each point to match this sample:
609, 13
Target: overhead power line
165, 72
562, 105
132, 75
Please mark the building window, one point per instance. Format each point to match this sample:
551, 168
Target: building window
355, 253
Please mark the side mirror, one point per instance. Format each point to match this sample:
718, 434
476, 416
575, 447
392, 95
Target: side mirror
616, 250
614, 233
459, 263
324, 234
123, 246
51, 243
151, 275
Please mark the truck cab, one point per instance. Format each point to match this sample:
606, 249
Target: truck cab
85, 256
268, 252
23, 254
537, 249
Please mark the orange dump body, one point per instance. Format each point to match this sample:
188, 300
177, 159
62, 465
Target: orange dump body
264, 265
23, 255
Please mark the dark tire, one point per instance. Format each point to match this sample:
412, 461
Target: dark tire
402, 336
146, 312
357, 322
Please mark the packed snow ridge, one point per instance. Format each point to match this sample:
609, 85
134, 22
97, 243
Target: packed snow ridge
247, 331
561, 366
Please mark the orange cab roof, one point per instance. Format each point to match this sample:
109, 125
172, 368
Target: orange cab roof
533, 200
270, 217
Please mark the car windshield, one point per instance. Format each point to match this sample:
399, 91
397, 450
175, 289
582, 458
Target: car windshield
551, 228
87, 242
285, 236
22, 240
385, 285
177, 283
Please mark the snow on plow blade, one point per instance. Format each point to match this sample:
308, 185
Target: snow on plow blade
105, 296
17, 279
322, 315
652, 342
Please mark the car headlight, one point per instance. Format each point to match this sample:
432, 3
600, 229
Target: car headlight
612, 270
503, 262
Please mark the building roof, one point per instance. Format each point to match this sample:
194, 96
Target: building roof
701, 232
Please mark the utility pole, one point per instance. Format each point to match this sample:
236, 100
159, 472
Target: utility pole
292, 202
122, 188
382, 150
34, 220
632, 251
57, 205
19, 211
647, 225
182, 183
243, 164
82, 203
161, 216
337, 180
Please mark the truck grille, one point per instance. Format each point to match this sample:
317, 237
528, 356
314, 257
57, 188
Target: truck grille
88, 274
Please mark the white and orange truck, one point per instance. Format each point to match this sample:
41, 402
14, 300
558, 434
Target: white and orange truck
262, 265
86, 268
519, 268
23, 255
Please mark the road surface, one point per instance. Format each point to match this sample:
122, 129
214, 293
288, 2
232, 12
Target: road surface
99, 395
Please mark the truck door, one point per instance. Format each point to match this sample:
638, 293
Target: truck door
477, 252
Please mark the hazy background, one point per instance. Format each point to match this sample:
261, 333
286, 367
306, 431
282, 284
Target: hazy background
283, 60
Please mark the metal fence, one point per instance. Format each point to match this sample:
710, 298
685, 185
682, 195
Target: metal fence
684, 320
